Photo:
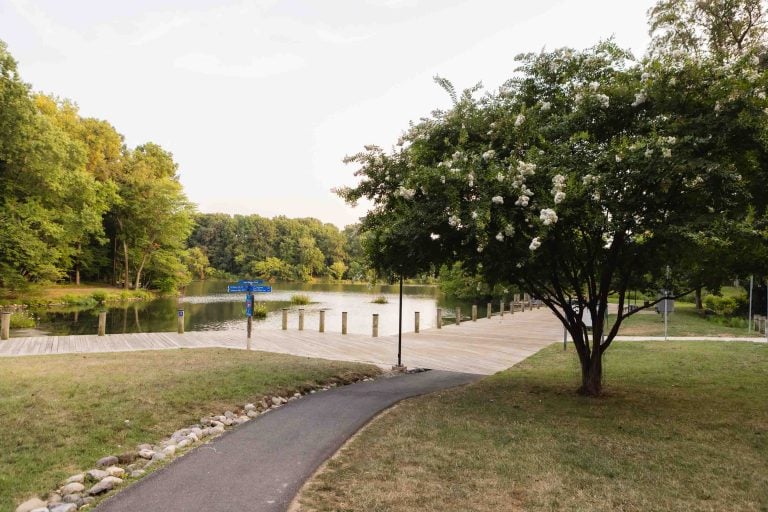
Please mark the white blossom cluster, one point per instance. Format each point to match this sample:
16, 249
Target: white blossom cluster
535, 244
454, 221
519, 120
603, 99
548, 216
497, 200
405, 193
589, 179
558, 188
500, 236
545, 106
488, 155
524, 169
640, 98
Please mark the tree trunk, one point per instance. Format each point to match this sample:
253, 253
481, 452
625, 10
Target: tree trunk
77, 267
592, 375
127, 280
697, 296
139, 271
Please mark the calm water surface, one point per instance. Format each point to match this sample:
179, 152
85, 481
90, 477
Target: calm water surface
208, 307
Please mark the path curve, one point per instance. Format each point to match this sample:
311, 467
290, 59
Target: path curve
261, 465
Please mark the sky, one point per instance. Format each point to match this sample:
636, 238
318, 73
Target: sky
260, 100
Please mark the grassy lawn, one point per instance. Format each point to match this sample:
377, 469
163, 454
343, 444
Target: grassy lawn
683, 322
683, 426
62, 413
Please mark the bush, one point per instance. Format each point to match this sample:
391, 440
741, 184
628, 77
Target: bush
299, 299
22, 321
724, 306
100, 296
380, 300
259, 311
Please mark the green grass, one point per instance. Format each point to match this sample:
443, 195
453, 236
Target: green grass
62, 413
300, 299
685, 321
380, 300
682, 426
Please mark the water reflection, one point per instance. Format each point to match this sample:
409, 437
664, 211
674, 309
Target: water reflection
208, 306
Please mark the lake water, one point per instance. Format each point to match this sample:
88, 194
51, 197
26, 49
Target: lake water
207, 306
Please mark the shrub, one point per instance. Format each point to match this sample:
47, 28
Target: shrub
725, 306
100, 296
299, 299
22, 321
380, 300
259, 311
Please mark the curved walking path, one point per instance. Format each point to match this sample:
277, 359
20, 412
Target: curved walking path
261, 465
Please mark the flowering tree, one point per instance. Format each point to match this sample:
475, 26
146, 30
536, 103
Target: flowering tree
580, 178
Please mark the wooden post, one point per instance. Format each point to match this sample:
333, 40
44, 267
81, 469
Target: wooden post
501, 308
522, 307
375, 327
489, 311
416, 322
180, 321
439, 320
102, 323
301, 319
6, 326
249, 330
322, 320
458, 316
474, 312
285, 319
343, 322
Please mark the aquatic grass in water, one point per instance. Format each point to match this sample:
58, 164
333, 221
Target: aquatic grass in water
380, 300
299, 299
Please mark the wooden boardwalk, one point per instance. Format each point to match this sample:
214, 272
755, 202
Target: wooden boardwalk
484, 347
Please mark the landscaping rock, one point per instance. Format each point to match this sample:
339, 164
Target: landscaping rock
79, 478
184, 443
146, 453
144, 446
41, 509
276, 400
110, 460
72, 488
72, 498
249, 407
137, 473
219, 429
115, 480
206, 422
193, 437
115, 471
101, 487
126, 458
96, 474
54, 498
297, 395
158, 456
229, 414
169, 450
64, 507
30, 505
252, 413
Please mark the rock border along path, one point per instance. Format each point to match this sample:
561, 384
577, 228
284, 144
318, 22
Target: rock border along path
482, 347
261, 465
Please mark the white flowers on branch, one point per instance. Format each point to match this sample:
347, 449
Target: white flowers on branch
640, 98
520, 119
497, 200
489, 154
548, 216
535, 244
405, 193
558, 187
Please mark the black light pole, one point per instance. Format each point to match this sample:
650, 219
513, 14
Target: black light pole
400, 328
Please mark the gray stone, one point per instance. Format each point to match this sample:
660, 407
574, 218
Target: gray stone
219, 429
137, 473
88, 500
115, 471
144, 446
96, 474
276, 400
249, 407
184, 443
158, 456
146, 453
240, 420
31, 504
193, 437
101, 487
79, 478
54, 498
110, 460
206, 422
228, 422
217, 423
169, 450
229, 414
115, 480
64, 507
72, 498
72, 488
252, 413
41, 509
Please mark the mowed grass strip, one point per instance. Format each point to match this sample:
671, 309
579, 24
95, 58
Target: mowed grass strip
62, 413
684, 321
682, 426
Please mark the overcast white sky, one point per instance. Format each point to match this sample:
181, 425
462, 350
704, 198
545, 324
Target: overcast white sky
260, 100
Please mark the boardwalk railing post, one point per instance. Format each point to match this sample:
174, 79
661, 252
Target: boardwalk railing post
416, 322
474, 312
501, 308
180, 321
301, 319
458, 316
102, 323
375, 327
343, 322
489, 311
322, 320
285, 319
439, 320
6, 326
511, 308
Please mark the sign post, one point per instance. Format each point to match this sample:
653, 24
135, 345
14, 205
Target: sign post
249, 287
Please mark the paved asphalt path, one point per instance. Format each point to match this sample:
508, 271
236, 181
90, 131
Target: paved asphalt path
261, 465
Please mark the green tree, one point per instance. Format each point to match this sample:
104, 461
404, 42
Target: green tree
584, 174
273, 269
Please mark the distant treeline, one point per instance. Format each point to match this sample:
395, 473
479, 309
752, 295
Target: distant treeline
78, 203
278, 248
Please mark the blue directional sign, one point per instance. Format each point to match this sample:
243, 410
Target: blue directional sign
251, 283
240, 288
249, 305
